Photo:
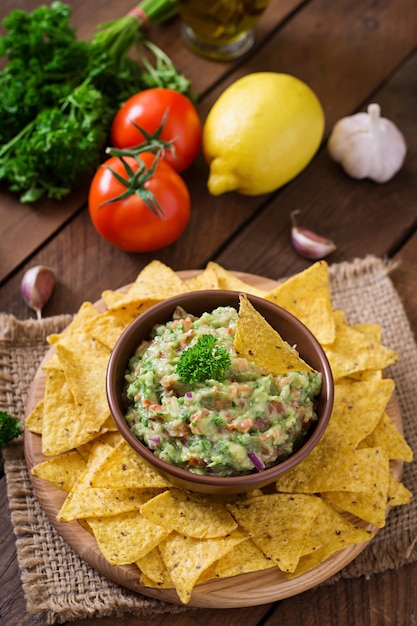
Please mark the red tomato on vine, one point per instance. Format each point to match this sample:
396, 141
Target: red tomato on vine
138, 204
164, 114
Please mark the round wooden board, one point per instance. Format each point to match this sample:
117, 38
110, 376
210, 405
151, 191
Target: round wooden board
240, 591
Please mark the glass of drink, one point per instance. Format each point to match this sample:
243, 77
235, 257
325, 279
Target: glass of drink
220, 29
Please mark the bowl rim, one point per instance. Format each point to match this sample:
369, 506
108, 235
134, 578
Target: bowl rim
229, 483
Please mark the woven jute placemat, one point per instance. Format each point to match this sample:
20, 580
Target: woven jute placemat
60, 587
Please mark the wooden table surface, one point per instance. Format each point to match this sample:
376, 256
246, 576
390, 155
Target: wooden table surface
352, 53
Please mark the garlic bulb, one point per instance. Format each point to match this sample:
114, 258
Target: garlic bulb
368, 145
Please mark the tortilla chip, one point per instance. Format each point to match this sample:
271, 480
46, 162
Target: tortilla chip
398, 494
352, 352
110, 438
278, 524
363, 375
307, 296
187, 558
331, 467
61, 471
207, 279
371, 331
246, 557
230, 282
62, 426
86, 312
190, 514
371, 504
330, 532
358, 407
126, 537
34, 421
86, 378
84, 501
386, 435
123, 467
258, 342
108, 326
153, 569
154, 283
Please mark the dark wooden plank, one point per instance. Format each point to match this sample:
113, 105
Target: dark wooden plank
250, 616
386, 598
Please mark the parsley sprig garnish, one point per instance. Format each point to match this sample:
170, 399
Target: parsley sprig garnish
203, 361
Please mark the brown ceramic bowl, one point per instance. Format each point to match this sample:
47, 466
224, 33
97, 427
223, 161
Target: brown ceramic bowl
290, 328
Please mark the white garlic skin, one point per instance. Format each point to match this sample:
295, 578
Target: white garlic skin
368, 145
308, 244
37, 286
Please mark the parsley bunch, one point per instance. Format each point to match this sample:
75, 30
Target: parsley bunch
10, 428
59, 95
203, 361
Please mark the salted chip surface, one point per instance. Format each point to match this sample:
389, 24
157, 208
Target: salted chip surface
154, 283
358, 408
230, 282
61, 471
86, 378
331, 467
369, 505
126, 537
109, 325
307, 296
34, 421
386, 435
190, 514
353, 352
257, 341
330, 532
123, 467
153, 569
246, 557
85, 501
62, 426
278, 524
371, 330
187, 558
398, 493
85, 313
207, 279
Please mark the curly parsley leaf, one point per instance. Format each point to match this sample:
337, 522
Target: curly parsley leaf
203, 361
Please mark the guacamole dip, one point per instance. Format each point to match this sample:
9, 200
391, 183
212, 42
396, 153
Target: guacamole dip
236, 421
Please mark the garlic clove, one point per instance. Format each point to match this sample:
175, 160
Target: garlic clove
368, 145
37, 286
309, 244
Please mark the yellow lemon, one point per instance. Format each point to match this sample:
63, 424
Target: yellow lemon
261, 132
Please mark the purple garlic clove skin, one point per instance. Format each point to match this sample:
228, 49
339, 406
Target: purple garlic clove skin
309, 244
37, 286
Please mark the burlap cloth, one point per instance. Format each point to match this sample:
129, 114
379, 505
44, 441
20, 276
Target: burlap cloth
61, 587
